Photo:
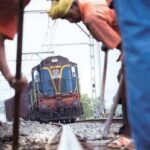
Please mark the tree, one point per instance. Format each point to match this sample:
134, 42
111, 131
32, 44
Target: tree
87, 107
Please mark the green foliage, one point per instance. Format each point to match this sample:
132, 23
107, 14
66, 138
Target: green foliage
2, 107
87, 107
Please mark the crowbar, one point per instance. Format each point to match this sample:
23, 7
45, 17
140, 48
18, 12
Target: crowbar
18, 76
113, 109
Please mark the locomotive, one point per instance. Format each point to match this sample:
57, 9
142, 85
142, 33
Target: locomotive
53, 94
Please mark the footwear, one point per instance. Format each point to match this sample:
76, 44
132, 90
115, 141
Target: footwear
130, 146
119, 142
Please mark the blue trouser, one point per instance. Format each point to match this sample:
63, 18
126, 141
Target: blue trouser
134, 23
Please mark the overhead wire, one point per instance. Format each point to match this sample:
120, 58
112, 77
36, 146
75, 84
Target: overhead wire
50, 34
35, 11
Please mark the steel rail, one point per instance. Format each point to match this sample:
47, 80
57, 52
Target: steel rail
68, 140
101, 120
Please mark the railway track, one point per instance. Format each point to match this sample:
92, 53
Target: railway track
101, 120
82, 135
67, 140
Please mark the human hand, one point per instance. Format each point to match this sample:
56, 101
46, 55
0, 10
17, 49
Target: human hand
104, 48
18, 85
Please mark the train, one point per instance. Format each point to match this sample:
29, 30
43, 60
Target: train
53, 94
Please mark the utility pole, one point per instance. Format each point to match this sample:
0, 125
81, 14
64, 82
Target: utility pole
93, 77
101, 102
92, 61
93, 73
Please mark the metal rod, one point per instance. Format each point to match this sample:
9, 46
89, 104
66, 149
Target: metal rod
103, 82
35, 11
15, 143
31, 53
113, 108
83, 30
65, 44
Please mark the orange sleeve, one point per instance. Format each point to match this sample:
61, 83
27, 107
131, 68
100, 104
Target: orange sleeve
8, 17
100, 21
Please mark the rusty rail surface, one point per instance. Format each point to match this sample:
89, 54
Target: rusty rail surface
102, 120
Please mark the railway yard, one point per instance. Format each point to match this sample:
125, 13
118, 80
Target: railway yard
81, 135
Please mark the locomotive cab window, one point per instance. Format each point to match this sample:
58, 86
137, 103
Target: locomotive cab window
73, 71
36, 76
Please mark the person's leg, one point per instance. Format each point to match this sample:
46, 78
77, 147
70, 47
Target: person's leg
124, 137
126, 132
125, 129
134, 22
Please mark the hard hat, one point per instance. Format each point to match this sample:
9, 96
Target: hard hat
59, 8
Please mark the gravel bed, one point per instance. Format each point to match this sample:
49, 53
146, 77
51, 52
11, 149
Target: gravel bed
92, 131
34, 135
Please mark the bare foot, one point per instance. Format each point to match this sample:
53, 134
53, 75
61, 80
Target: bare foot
119, 142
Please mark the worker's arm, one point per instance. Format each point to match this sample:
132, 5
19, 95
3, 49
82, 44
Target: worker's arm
100, 23
4, 68
3, 63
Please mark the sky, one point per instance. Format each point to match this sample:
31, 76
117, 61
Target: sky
40, 32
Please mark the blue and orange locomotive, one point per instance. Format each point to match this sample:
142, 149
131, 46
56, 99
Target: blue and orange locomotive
52, 95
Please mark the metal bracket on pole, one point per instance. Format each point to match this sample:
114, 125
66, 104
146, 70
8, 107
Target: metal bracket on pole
15, 143
113, 109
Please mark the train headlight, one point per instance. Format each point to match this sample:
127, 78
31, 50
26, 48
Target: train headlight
43, 106
54, 60
76, 103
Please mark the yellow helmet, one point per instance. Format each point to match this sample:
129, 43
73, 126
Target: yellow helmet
59, 8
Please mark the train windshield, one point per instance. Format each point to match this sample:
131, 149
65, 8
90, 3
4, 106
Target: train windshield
59, 80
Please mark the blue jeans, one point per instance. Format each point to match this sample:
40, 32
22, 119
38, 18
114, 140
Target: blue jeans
134, 23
